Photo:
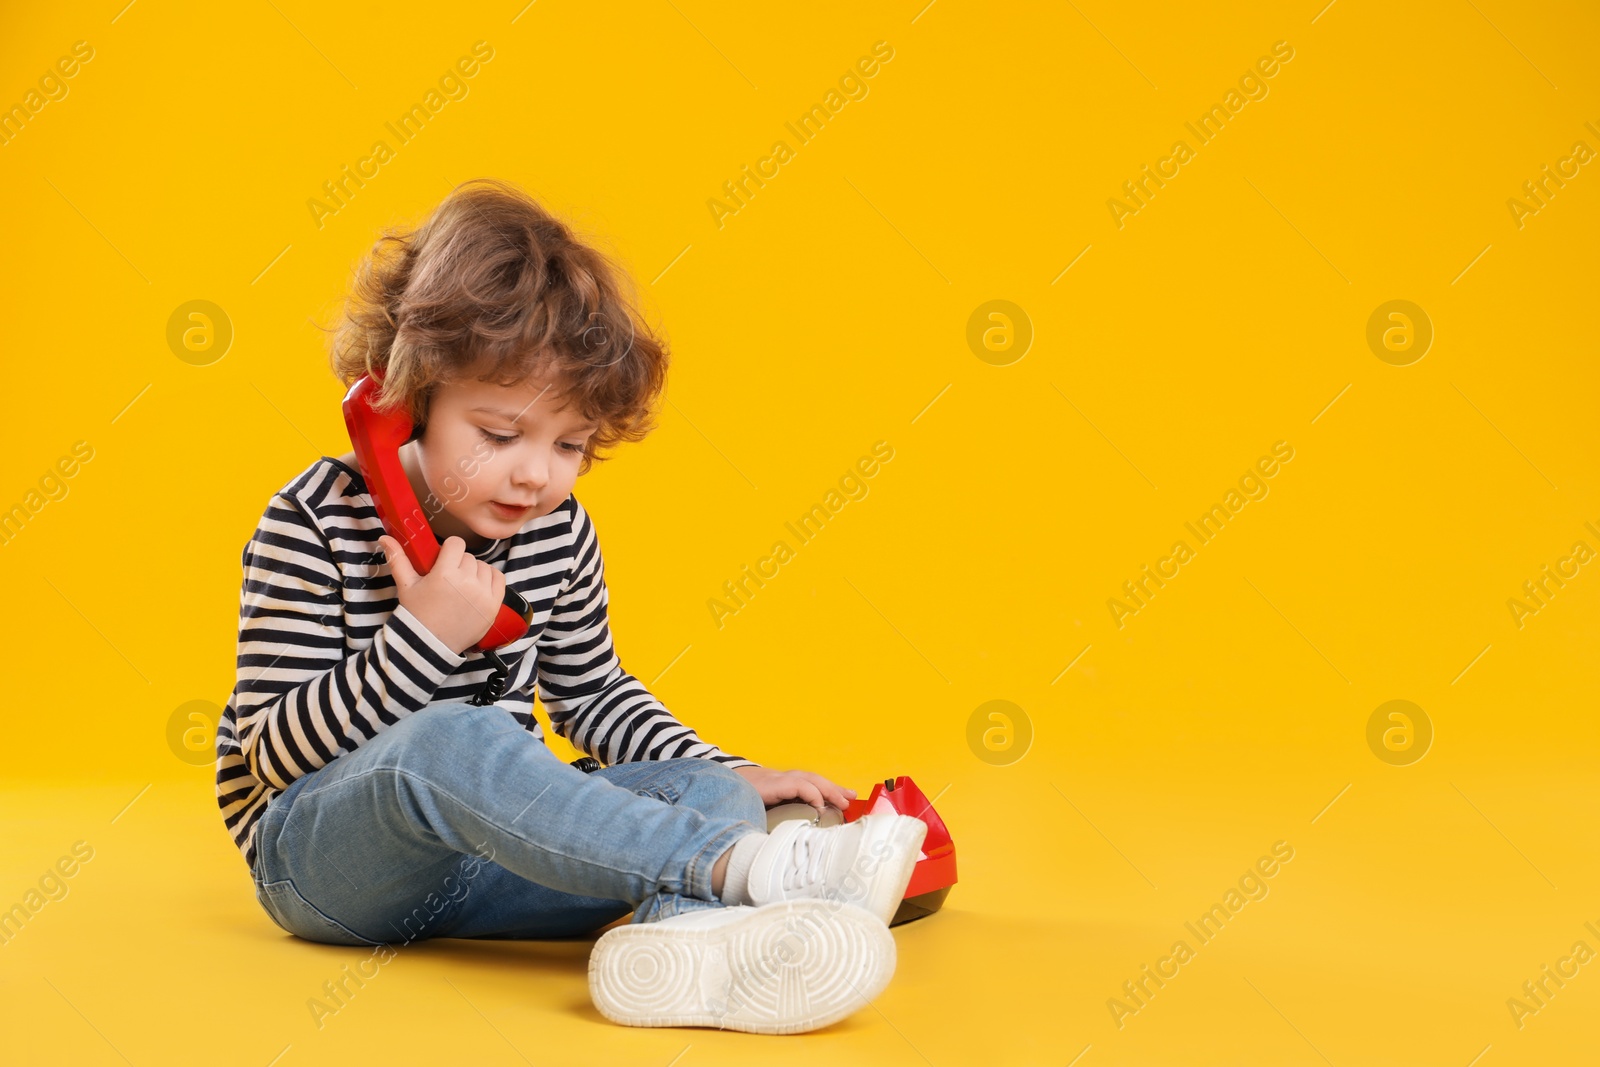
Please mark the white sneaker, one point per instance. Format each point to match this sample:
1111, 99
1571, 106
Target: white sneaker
781, 969
867, 862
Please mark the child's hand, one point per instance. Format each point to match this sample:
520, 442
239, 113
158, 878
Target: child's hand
457, 600
776, 787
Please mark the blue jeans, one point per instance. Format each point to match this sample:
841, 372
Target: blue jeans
457, 822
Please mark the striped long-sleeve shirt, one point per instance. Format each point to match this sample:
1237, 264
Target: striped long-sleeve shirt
328, 656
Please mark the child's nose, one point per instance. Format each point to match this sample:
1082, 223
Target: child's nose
533, 472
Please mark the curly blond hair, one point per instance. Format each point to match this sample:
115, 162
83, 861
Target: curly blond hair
493, 286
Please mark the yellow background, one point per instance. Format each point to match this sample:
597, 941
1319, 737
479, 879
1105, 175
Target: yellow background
829, 313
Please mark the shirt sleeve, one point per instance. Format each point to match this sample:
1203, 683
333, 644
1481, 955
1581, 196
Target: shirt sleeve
302, 700
600, 708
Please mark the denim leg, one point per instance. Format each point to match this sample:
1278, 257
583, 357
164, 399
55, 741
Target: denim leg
698, 785
505, 905
456, 821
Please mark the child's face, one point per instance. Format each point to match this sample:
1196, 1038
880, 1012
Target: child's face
487, 445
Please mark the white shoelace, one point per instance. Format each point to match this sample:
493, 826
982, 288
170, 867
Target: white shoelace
807, 855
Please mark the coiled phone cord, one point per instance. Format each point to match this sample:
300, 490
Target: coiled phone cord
495, 686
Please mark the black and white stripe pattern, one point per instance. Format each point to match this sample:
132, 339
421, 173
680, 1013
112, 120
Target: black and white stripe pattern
328, 656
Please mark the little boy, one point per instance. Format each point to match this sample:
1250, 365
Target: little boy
376, 800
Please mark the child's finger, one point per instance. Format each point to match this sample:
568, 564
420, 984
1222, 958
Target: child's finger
836, 795
492, 577
809, 793
405, 576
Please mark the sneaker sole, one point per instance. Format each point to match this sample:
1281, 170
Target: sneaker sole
784, 968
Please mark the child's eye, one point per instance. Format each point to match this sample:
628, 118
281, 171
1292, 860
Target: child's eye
570, 447
497, 439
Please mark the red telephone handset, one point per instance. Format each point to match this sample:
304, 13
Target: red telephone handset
377, 439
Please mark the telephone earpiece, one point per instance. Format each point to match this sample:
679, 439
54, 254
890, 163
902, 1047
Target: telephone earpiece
376, 439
